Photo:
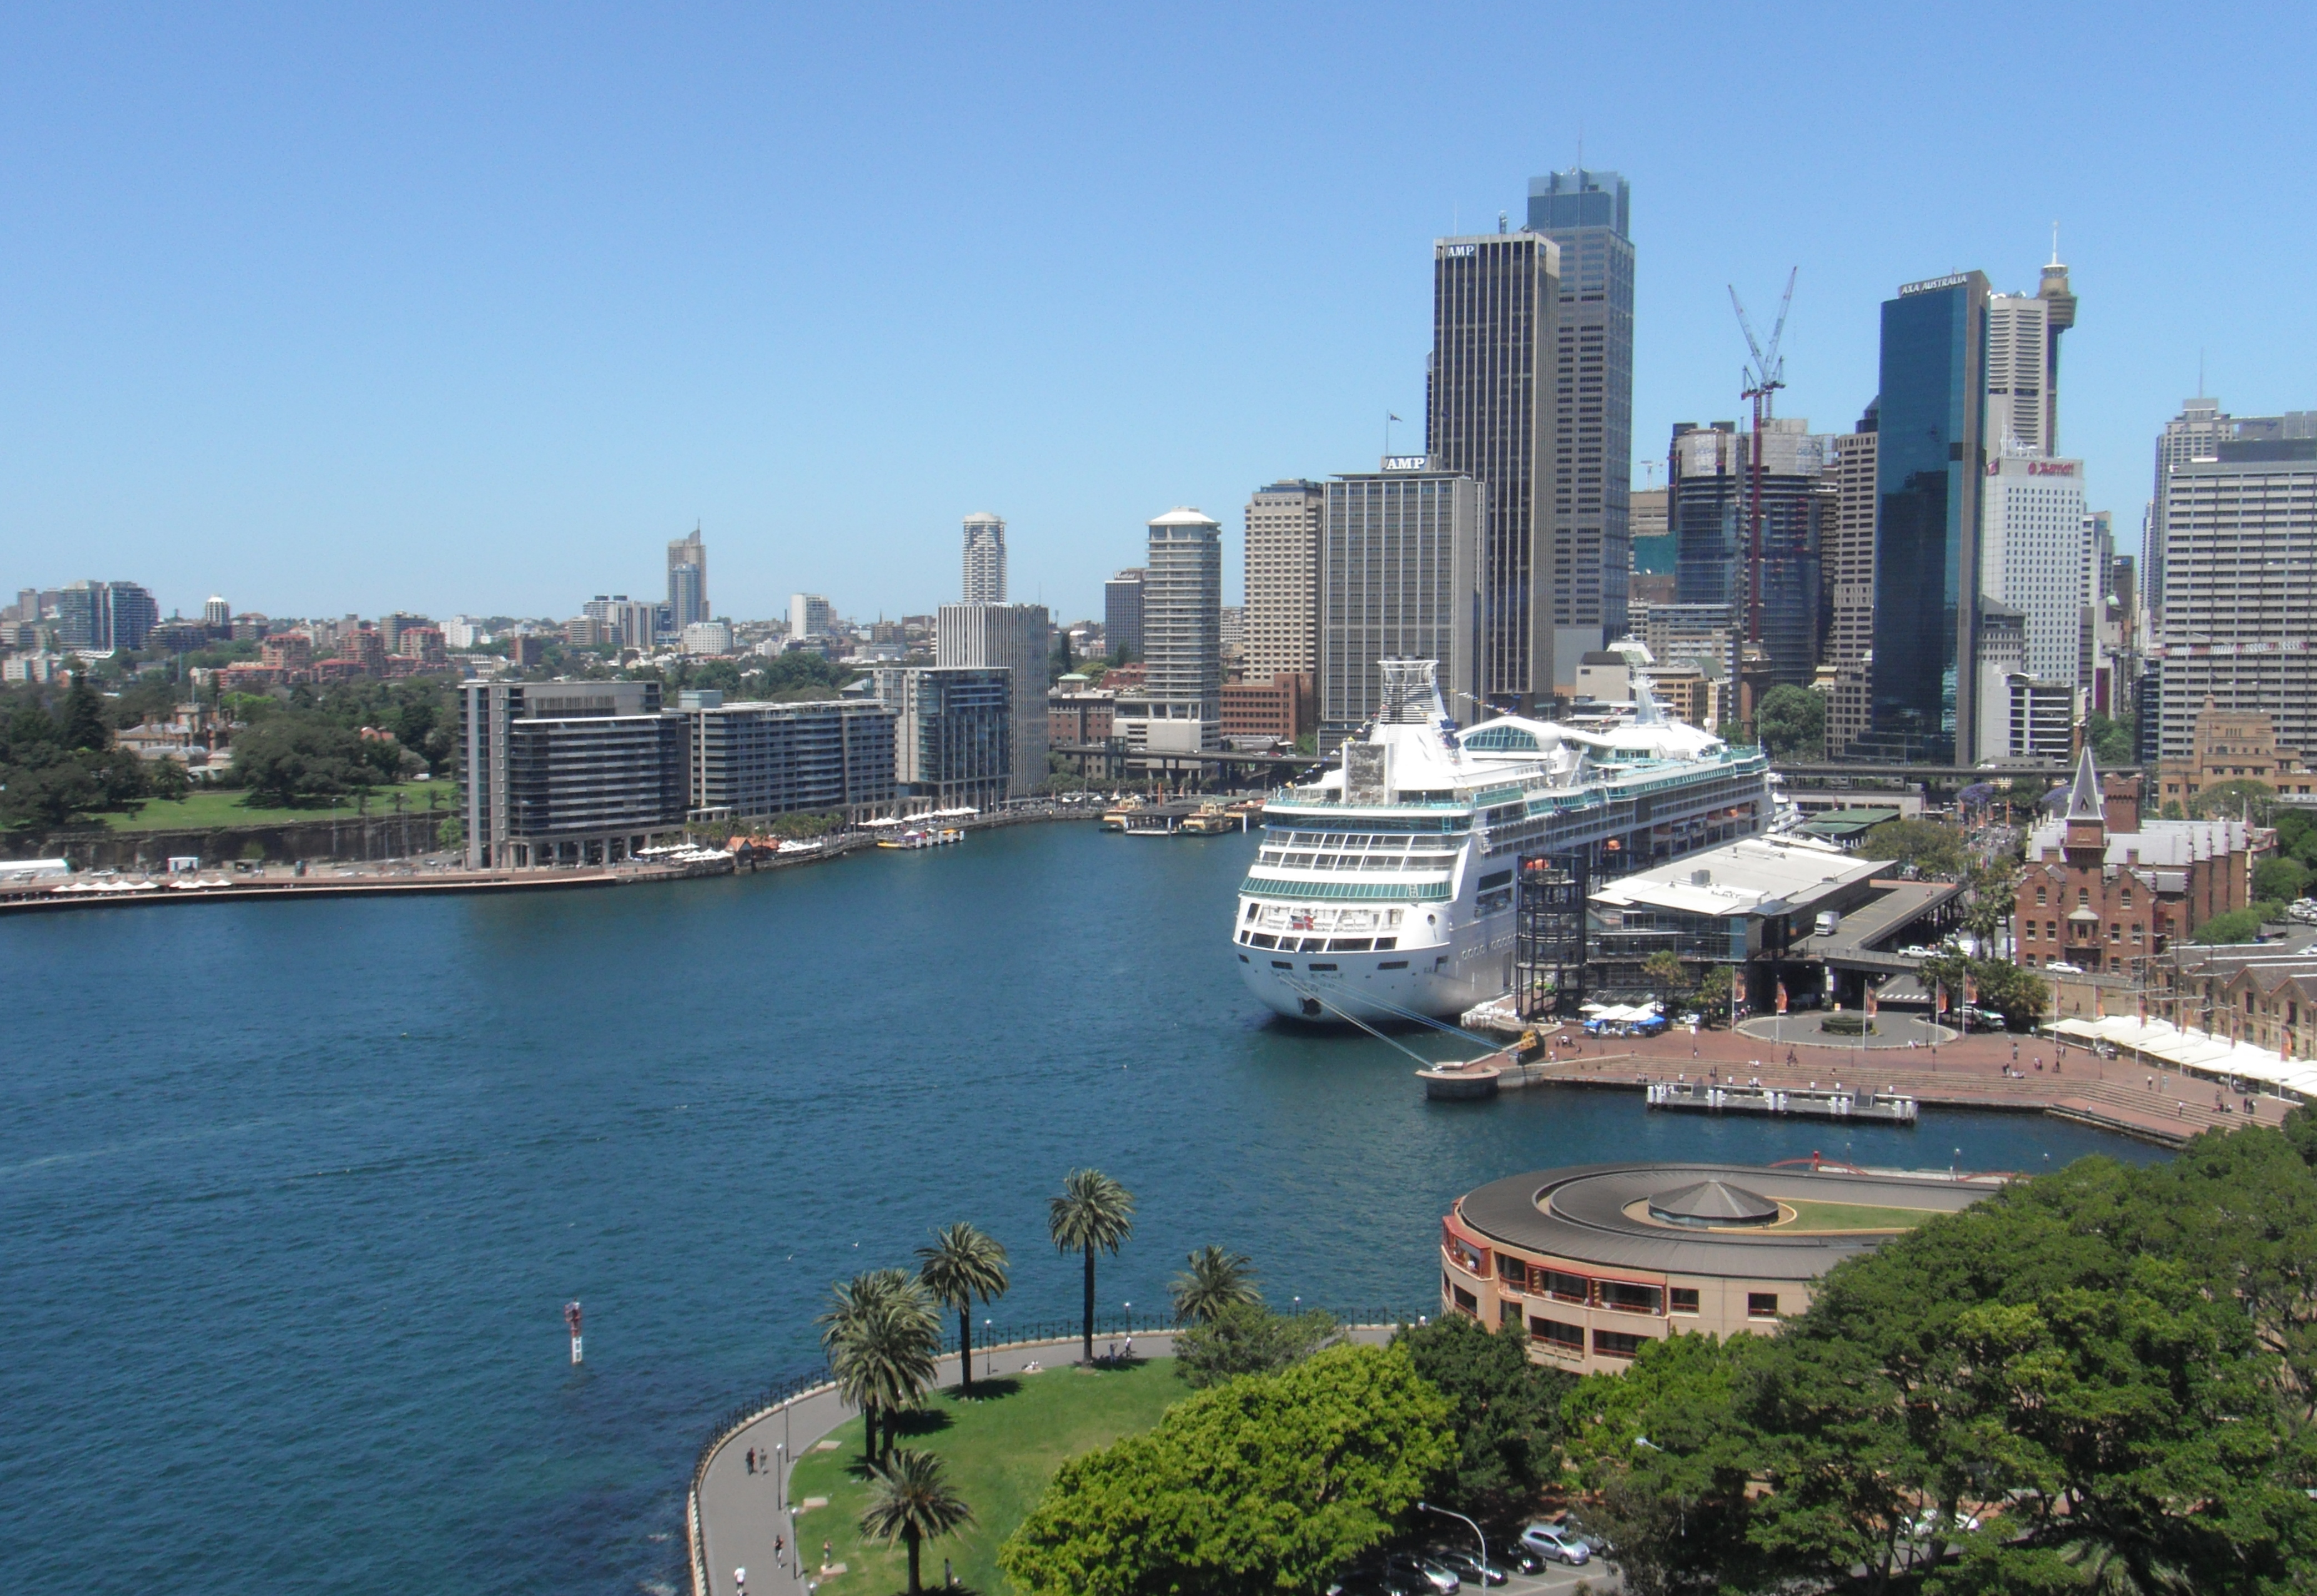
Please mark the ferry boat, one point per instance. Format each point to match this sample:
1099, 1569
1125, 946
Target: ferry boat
1386, 886
928, 837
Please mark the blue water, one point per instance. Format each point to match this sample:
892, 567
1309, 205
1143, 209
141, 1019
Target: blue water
291, 1195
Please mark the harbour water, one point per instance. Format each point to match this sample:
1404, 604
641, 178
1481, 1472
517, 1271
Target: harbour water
291, 1195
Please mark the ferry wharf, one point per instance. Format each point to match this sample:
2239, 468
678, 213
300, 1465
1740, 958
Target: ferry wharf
1989, 1071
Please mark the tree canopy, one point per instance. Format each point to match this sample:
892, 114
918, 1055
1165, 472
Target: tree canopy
1262, 1485
1790, 722
1931, 846
1504, 1412
2110, 1368
1242, 1338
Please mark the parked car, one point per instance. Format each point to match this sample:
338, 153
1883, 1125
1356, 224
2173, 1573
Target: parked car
1467, 1566
1524, 1557
1556, 1544
1931, 1521
1436, 1576
2061, 967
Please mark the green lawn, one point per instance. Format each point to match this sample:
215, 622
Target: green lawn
204, 810
1852, 1215
1001, 1450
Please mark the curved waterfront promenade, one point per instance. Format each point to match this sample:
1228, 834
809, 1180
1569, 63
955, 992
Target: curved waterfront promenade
732, 1516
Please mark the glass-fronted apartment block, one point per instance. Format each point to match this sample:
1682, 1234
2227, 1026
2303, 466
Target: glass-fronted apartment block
753, 760
1491, 414
952, 738
1121, 612
1012, 636
1398, 579
1930, 455
568, 773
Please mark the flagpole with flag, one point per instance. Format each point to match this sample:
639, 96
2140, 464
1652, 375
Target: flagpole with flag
1388, 419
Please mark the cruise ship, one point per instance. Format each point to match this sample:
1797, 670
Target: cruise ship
1386, 887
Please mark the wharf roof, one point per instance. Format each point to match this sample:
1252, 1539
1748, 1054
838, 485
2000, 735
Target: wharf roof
1757, 875
1580, 1214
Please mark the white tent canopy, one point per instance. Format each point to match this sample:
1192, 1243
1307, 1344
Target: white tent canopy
2197, 1052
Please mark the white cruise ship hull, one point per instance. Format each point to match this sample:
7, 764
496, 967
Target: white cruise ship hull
1442, 980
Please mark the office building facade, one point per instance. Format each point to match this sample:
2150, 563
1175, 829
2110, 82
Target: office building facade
2033, 556
1282, 629
1491, 414
1178, 707
1847, 568
1121, 613
1711, 502
100, 617
751, 761
2240, 611
2197, 434
1930, 459
1588, 215
1011, 637
1399, 558
568, 773
984, 560
953, 734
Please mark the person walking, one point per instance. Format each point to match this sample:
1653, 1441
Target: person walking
752, 1459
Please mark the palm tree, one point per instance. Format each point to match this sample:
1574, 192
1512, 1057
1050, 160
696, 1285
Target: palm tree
1093, 1211
1215, 1280
964, 1263
912, 1502
882, 1333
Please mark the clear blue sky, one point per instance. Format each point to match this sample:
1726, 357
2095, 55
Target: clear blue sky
470, 308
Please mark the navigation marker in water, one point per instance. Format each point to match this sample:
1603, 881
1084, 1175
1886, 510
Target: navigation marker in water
571, 1317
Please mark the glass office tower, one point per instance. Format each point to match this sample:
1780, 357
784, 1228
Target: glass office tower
1931, 457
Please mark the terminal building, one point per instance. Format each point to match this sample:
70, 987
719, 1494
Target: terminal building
1588, 1264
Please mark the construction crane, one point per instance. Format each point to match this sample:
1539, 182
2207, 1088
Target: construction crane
1759, 382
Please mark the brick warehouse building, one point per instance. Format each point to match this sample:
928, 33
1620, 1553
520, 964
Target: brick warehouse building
2103, 890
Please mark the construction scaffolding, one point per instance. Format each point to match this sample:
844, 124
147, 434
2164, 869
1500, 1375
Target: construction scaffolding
1549, 939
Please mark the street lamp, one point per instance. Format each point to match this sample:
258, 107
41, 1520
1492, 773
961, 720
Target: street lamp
781, 1469
1427, 1508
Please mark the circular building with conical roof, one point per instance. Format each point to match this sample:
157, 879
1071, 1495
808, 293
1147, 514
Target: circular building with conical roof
1586, 1264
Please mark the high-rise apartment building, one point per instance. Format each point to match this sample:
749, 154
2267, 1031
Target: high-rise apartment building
1589, 215
687, 590
1121, 612
1283, 579
1178, 707
1931, 457
568, 773
216, 614
984, 560
1491, 414
953, 734
2240, 560
1011, 637
1398, 579
810, 615
621, 621
99, 617
753, 760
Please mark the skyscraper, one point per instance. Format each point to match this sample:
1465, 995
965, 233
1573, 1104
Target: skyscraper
1121, 611
1012, 636
1589, 215
2032, 562
687, 598
1710, 500
1848, 554
1930, 457
2020, 360
1282, 586
1496, 314
1398, 579
2241, 587
1178, 708
984, 560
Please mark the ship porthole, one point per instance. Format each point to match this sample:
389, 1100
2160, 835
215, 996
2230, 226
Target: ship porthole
1311, 1008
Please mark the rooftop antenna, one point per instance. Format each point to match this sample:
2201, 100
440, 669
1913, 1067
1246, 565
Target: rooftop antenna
2055, 244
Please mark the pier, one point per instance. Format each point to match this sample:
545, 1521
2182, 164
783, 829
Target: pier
1891, 1108
1999, 1071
